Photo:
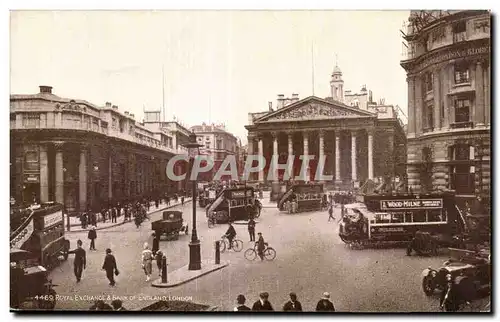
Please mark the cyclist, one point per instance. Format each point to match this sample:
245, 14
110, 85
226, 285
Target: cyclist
261, 246
230, 234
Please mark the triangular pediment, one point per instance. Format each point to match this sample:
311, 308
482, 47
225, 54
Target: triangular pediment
313, 108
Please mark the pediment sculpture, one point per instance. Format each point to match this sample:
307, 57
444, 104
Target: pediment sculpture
72, 106
311, 111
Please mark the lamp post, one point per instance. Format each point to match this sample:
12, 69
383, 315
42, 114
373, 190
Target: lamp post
194, 246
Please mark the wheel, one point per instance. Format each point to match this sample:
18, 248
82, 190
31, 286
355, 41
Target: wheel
428, 285
237, 245
222, 245
269, 253
66, 250
250, 254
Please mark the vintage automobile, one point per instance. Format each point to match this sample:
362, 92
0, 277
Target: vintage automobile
29, 286
171, 225
468, 271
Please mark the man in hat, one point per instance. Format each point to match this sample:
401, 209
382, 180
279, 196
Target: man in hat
251, 229
240, 300
92, 236
293, 305
80, 262
117, 305
230, 234
263, 303
261, 246
325, 305
110, 267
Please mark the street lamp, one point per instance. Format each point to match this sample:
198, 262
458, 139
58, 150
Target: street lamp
194, 246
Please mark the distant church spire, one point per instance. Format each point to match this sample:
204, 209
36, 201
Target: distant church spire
337, 84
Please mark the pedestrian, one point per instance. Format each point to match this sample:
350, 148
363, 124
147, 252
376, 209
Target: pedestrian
293, 305
156, 243
110, 267
92, 236
261, 246
182, 200
147, 261
251, 229
157, 203
263, 303
159, 259
325, 305
80, 262
100, 305
330, 213
117, 305
93, 218
83, 218
240, 301
114, 214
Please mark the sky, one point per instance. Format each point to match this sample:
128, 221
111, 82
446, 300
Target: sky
218, 65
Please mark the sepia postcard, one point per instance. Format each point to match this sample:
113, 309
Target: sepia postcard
272, 160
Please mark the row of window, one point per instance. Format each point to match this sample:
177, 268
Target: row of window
462, 107
419, 216
461, 73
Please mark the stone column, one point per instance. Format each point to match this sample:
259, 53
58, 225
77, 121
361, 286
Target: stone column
444, 89
321, 149
487, 104
275, 155
59, 173
44, 174
419, 103
354, 174
290, 153
479, 104
110, 175
250, 151
261, 154
82, 178
305, 136
450, 111
337, 157
437, 100
411, 106
370, 154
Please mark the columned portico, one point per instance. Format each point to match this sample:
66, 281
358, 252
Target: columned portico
339, 139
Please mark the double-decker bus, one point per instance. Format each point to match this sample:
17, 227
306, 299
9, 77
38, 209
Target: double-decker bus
396, 218
39, 230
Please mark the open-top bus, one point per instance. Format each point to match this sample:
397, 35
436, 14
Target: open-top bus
234, 204
308, 197
396, 218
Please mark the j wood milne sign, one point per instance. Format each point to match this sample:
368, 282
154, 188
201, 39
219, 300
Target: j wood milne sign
411, 204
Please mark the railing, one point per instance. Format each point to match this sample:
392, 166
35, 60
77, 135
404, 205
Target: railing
76, 124
461, 125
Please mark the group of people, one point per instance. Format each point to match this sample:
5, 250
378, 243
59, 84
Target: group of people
260, 243
293, 305
80, 263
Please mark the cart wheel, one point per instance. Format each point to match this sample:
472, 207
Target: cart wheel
270, 253
250, 254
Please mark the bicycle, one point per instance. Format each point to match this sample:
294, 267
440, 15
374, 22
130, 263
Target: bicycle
224, 244
269, 253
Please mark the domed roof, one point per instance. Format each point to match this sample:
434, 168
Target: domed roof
336, 69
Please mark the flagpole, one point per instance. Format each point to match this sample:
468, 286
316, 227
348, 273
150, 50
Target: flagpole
312, 66
163, 92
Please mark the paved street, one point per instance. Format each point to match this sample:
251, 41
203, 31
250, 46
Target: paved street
310, 259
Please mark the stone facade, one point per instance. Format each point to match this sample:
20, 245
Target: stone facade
448, 74
84, 156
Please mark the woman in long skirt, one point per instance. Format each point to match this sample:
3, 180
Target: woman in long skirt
147, 261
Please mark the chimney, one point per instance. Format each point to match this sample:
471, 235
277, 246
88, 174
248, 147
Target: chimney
126, 113
281, 101
295, 97
132, 115
270, 104
46, 89
108, 104
115, 107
